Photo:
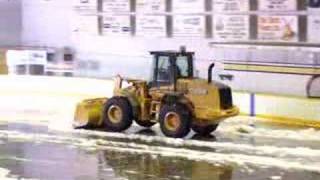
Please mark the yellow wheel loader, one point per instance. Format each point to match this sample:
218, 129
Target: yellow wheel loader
174, 97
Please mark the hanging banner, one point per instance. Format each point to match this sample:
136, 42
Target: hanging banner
278, 28
277, 5
231, 27
188, 26
230, 5
313, 29
188, 6
150, 6
86, 25
116, 25
154, 26
85, 4
116, 6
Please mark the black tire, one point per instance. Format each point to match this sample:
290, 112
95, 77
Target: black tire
145, 123
184, 120
124, 121
204, 130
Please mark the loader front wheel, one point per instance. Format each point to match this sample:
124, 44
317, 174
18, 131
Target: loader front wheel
117, 114
175, 120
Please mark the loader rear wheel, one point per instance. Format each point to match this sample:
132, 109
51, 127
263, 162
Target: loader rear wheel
145, 123
117, 114
204, 130
175, 120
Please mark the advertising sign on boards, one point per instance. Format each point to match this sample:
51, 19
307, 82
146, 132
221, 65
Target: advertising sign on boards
154, 26
188, 6
231, 27
277, 5
116, 25
188, 26
86, 4
148, 6
313, 29
230, 5
278, 28
116, 6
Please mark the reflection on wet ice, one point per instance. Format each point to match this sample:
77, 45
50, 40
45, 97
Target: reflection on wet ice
139, 166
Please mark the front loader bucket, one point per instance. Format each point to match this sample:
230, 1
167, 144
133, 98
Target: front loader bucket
88, 113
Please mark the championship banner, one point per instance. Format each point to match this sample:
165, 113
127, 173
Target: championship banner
188, 6
230, 5
313, 29
116, 25
85, 4
154, 26
277, 5
116, 6
189, 26
278, 28
150, 6
231, 27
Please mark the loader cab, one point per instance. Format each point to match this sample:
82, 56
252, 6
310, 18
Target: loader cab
168, 66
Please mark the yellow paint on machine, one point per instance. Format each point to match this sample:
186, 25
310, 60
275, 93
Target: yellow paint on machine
273, 69
290, 110
3, 63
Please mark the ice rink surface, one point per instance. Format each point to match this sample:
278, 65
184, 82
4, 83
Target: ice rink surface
242, 148
38, 142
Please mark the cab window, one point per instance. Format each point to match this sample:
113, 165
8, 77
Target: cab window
163, 66
182, 63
